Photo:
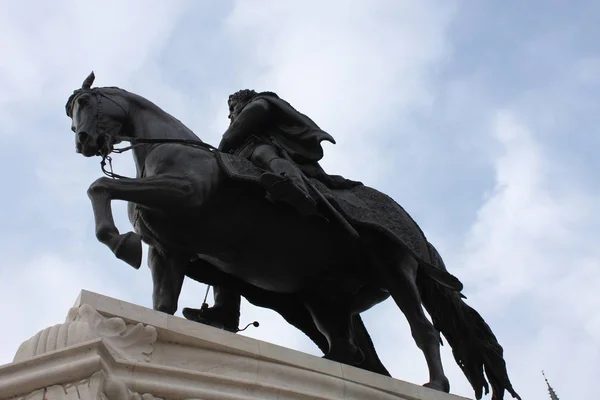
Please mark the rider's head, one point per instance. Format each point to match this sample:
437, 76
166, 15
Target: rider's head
238, 101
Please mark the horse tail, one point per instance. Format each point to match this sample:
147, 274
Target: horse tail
441, 276
474, 345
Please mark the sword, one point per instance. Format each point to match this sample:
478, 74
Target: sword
336, 214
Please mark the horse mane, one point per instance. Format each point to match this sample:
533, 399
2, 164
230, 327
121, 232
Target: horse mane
130, 96
77, 92
143, 102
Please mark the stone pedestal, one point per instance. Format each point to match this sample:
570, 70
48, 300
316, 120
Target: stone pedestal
109, 349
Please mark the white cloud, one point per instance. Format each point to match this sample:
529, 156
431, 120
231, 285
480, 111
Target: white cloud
48, 49
365, 72
57, 45
353, 69
39, 292
525, 216
528, 265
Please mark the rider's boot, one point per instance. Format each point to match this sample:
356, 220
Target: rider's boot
225, 314
285, 183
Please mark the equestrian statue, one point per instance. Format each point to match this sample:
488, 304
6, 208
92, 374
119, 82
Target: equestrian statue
258, 217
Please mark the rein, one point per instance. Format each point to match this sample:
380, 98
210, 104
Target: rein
135, 142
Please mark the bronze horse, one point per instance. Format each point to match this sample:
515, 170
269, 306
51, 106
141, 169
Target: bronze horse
197, 220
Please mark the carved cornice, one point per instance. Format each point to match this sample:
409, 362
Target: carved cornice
86, 389
97, 356
132, 342
115, 389
96, 387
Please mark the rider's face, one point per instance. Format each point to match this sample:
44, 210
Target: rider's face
235, 108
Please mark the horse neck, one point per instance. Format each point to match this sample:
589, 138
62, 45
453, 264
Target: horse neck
148, 121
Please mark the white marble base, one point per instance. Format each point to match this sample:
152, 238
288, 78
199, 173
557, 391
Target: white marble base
113, 350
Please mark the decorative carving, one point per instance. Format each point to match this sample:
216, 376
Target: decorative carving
96, 387
115, 389
130, 341
87, 389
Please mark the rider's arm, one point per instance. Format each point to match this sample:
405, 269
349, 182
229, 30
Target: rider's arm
248, 122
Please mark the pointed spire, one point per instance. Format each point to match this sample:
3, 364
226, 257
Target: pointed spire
553, 395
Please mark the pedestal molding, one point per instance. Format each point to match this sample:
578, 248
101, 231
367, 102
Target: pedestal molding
139, 354
84, 323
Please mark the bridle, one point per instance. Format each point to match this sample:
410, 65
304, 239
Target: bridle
110, 139
136, 142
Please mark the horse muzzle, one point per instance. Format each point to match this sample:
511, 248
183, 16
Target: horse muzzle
90, 146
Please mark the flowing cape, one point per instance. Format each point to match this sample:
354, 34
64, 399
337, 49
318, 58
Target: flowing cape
299, 135
362, 206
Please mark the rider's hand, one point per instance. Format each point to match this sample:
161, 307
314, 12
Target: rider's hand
224, 146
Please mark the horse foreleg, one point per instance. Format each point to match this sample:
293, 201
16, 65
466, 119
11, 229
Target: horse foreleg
168, 273
156, 192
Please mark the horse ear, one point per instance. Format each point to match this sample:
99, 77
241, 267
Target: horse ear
87, 84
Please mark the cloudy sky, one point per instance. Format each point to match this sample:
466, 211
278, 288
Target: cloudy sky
480, 118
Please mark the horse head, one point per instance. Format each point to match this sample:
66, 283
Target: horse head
97, 124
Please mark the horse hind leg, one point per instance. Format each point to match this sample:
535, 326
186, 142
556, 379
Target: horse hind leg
363, 341
334, 321
402, 286
363, 301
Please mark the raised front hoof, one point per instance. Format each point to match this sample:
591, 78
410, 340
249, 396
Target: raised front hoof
443, 385
129, 249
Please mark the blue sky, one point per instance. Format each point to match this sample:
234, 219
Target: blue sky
480, 118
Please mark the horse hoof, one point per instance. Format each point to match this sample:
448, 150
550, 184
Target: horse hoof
443, 385
129, 249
